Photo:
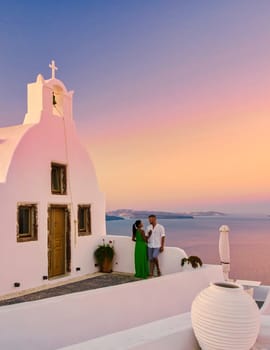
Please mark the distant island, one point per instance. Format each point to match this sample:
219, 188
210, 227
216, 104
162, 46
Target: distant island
207, 213
121, 214
113, 217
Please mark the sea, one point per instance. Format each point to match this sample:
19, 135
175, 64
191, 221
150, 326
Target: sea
249, 241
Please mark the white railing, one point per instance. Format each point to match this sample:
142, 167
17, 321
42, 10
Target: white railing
170, 259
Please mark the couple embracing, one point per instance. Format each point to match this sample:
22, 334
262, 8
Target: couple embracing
148, 246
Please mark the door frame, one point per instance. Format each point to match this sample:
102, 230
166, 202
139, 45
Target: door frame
67, 238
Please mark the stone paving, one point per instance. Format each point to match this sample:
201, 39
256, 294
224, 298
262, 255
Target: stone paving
104, 280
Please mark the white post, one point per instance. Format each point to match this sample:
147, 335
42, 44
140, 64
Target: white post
224, 250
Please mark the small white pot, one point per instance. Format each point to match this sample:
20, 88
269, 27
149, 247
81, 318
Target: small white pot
225, 317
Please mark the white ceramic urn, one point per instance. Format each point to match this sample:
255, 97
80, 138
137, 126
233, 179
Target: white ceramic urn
225, 317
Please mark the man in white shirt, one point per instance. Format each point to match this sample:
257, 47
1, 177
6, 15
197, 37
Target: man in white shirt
156, 240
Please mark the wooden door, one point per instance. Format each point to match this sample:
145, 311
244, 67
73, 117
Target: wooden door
57, 241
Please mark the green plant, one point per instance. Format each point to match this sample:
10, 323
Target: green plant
104, 251
195, 261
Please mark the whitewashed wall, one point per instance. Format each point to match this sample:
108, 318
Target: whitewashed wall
70, 319
173, 333
170, 259
26, 177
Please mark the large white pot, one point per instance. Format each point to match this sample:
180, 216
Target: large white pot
225, 317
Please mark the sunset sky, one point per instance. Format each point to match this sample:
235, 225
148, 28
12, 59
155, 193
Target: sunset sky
172, 98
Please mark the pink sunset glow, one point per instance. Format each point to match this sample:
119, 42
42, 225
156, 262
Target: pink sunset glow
171, 98
211, 153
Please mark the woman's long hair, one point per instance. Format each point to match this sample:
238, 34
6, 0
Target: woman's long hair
135, 228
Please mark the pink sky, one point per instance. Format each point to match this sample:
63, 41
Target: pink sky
171, 97
208, 155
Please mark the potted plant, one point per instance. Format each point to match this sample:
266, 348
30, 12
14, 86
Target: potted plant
104, 254
192, 261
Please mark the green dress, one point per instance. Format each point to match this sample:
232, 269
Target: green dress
141, 261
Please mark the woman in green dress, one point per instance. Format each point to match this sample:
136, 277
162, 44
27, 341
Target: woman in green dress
141, 261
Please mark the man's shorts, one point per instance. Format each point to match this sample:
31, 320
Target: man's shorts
153, 253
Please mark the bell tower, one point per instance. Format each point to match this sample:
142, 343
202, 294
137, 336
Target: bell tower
48, 98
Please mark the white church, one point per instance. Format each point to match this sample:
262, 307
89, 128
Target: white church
51, 206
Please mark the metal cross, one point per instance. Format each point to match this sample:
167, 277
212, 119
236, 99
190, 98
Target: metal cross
53, 68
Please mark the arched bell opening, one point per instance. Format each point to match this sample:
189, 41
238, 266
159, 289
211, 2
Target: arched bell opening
58, 100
